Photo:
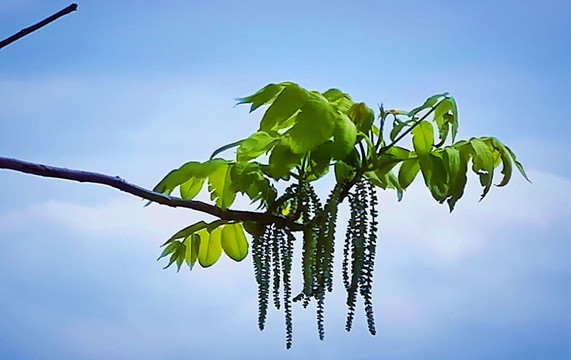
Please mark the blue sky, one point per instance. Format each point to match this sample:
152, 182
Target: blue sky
136, 88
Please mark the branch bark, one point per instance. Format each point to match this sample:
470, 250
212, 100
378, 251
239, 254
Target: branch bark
120, 184
40, 24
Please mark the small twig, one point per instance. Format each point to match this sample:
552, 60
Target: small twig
118, 183
35, 27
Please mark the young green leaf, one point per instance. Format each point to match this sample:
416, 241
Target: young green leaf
288, 102
220, 186
483, 163
314, 126
177, 249
362, 116
187, 231
255, 145
210, 247
398, 125
225, 147
176, 177
319, 160
446, 115
456, 164
249, 179
263, 96
423, 137
427, 104
517, 164
234, 241
282, 161
505, 159
169, 249
344, 137
192, 169
192, 244
435, 175
191, 188
343, 171
407, 172
341, 101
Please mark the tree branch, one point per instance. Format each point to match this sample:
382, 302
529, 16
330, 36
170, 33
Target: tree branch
35, 27
118, 183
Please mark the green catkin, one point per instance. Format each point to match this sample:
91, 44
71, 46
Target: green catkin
287, 251
366, 287
277, 239
347, 249
324, 255
328, 235
358, 213
262, 270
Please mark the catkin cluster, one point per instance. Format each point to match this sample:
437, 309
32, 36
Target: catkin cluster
272, 252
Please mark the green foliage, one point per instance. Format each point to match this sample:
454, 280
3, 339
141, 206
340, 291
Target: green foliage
302, 134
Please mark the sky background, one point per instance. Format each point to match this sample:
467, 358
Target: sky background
137, 88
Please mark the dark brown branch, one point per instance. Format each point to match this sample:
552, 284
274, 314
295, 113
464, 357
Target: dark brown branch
118, 183
35, 27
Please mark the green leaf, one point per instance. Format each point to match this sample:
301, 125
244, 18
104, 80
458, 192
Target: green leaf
210, 247
504, 157
169, 249
393, 183
319, 160
234, 241
288, 102
225, 147
389, 159
187, 231
192, 169
177, 251
385, 180
263, 96
456, 163
483, 163
407, 172
398, 125
282, 161
175, 178
445, 115
435, 175
314, 126
362, 116
427, 104
517, 164
249, 179
341, 101
220, 186
343, 171
344, 137
255, 145
423, 137
191, 188
192, 244
399, 153
178, 256
254, 228
333, 95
